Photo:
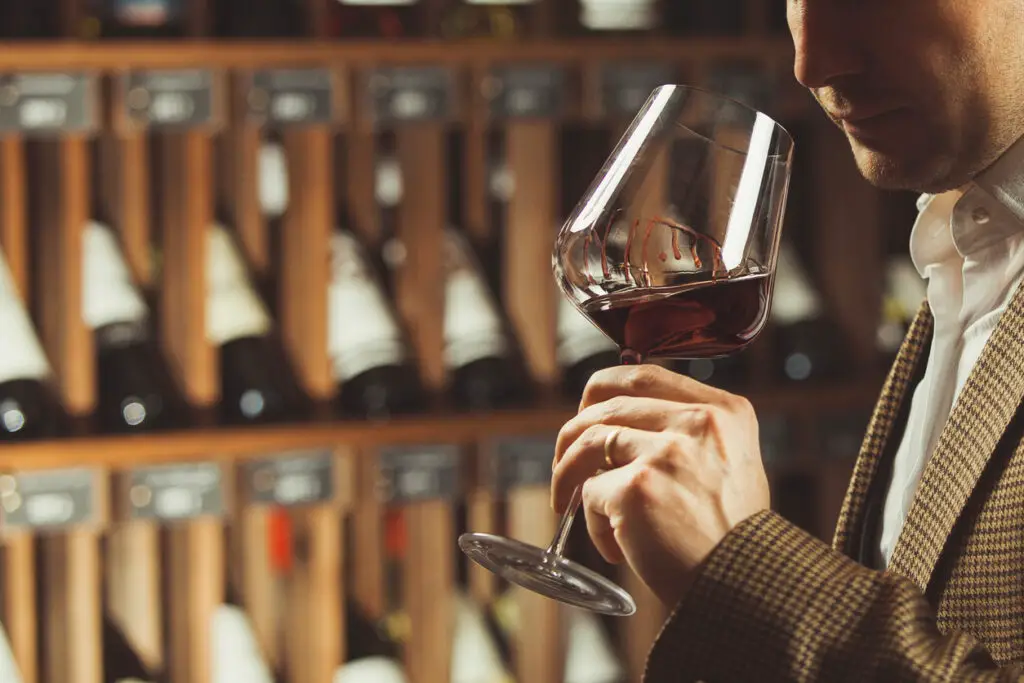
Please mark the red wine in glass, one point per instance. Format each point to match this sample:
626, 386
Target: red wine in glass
706, 319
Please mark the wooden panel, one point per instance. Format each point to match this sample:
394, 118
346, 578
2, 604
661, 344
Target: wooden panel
422, 216
360, 178
66, 338
133, 575
240, 182
368, 541
125, 190
13, 235
187, 214
532, 216
72, 646
482, 517
19, 618
197, 580
240, 444
248, 53
540, 646
254, 574
306, 254
428, 582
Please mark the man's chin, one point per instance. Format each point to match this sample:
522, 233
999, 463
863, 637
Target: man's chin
886, 171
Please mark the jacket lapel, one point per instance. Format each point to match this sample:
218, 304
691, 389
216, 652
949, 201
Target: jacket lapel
880, 428
984, 409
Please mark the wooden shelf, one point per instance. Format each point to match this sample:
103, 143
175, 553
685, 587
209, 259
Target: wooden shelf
238, 444
60, 54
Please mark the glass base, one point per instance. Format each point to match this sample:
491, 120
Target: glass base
548, 574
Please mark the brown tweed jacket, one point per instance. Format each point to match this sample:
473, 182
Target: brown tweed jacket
772, 603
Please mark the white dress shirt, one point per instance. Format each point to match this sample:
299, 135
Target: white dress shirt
968, 244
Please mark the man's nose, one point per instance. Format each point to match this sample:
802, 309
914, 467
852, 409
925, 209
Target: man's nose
825, 41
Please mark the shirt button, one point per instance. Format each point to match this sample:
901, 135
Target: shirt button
980, 215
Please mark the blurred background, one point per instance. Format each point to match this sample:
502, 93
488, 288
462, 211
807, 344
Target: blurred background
277, 322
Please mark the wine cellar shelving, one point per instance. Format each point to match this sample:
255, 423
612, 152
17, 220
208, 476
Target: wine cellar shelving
326, 525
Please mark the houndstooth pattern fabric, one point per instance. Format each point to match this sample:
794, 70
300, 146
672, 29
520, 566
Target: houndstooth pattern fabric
773, 603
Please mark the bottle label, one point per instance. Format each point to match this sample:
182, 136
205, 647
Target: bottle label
233, 309
362, 331
109, 295
8, 667
236, 654
795, 298
21, 353
370, 670
475, 655
146, 12
473, 328
578, 338
273, 179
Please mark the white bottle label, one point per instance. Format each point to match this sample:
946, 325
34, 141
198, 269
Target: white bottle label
273, 179
618, 15
236, 654
362, 331
371, 670
21, 353
109, 294
9, 672
233, 309
795, 298
472, 324
590, 657
578, 338
475, 656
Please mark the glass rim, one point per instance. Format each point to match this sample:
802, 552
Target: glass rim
718, 95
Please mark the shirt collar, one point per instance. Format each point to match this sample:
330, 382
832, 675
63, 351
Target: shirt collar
986, 210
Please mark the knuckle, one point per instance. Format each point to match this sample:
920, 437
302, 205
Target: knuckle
641, 378
638, 485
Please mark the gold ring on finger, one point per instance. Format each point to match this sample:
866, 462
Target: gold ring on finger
609, 444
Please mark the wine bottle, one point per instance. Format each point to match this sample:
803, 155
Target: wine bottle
135, 389
375, 18
257, 379
618, 17
589, 654
9, 671
368, 349
133, 19
236, 652
262, 19
705, 17
905, 290
121, 663
34, 20
28, 405
499, 19
372, 657
478, 349
809, 347
476, 656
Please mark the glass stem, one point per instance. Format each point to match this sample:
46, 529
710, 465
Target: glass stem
557, 546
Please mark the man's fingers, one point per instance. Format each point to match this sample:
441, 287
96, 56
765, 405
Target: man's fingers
649, 414
601, 532
651, 381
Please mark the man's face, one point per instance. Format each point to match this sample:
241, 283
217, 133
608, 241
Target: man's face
928, 92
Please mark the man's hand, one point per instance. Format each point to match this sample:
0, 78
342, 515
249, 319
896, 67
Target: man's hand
678, 466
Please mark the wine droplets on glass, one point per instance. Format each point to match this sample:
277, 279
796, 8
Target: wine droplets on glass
671, 253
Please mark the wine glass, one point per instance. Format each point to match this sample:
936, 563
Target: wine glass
671, 253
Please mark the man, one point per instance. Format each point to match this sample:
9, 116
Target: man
925, 579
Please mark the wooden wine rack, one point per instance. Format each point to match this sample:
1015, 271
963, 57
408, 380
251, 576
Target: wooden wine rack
113, 545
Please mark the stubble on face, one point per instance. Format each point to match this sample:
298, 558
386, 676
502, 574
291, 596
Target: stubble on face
961, 74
